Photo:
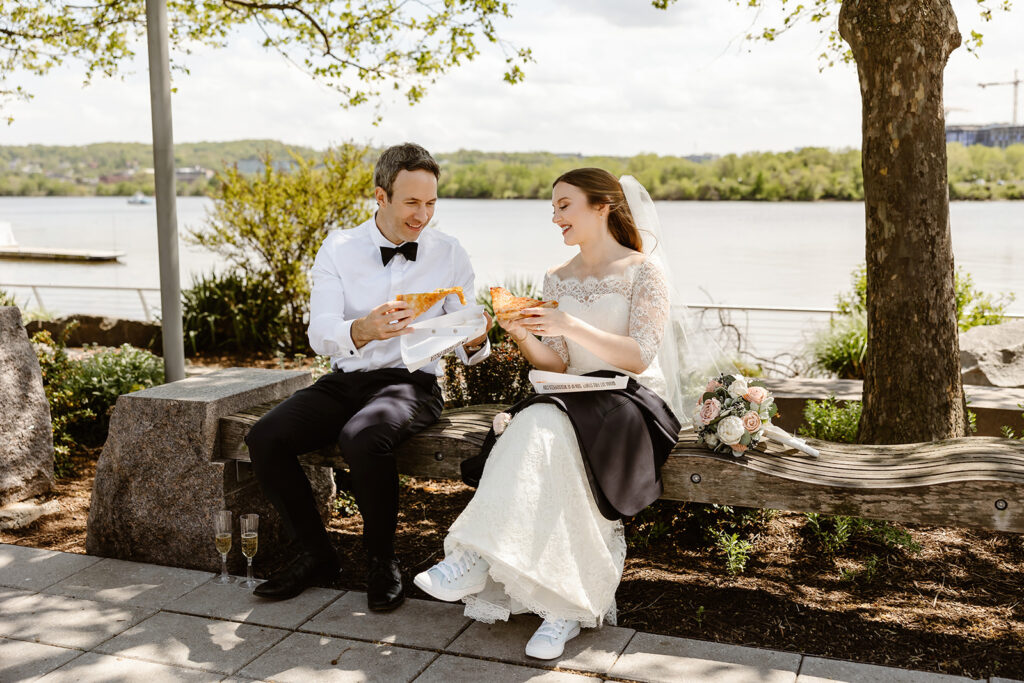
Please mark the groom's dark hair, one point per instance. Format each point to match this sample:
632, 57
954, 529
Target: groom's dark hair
405, 157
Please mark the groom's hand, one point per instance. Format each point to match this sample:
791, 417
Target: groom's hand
390, 319
473, 345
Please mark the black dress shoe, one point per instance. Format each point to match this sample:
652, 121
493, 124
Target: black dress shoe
301, 573
384, 585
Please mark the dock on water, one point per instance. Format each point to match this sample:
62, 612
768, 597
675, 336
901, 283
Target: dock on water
54, 254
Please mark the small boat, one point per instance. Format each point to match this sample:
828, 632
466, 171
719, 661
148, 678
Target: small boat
139, 198
9, 249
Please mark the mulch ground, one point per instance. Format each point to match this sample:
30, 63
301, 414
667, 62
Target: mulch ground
955, 606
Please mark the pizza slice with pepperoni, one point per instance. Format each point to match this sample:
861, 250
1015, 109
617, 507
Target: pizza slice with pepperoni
509, 307
421, 302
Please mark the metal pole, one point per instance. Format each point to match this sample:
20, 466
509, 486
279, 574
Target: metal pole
163, 166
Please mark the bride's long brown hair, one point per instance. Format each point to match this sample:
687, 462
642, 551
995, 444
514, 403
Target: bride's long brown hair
601, 187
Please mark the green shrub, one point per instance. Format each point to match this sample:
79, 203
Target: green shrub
82, 393
233, 312
842, 348
270, 225
503, 377
66, 407
7, 299
735, 550
104, 375
727, 529
1009, 431
830, 420
832, 535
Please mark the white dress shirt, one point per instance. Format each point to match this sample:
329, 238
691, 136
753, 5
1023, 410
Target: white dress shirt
349, 280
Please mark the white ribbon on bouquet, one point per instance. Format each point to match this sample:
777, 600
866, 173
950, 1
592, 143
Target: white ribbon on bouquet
787, 439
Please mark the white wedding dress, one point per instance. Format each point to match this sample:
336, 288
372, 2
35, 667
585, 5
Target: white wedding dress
533, 517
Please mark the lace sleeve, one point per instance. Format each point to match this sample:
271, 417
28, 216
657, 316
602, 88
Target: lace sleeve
649, 310
556, 344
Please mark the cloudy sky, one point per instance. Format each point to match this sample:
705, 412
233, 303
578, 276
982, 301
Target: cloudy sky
610, 77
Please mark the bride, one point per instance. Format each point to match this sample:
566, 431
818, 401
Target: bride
543, 533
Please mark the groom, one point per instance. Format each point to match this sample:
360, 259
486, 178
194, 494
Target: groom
370, 403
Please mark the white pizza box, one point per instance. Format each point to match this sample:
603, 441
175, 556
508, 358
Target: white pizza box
434, 338
559, 382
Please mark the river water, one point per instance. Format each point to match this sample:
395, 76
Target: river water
789, 255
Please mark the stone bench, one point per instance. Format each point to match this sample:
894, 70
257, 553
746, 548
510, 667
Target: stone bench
175, 454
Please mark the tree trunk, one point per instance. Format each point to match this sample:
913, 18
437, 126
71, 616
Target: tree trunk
912, 386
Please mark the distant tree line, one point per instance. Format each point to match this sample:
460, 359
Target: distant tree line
808, 174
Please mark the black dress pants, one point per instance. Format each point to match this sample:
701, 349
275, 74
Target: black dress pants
367, 414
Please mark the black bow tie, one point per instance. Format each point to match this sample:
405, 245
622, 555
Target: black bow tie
408, 250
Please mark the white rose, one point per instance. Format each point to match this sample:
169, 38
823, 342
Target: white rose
711, 440
738, 388
730, 429
500, 422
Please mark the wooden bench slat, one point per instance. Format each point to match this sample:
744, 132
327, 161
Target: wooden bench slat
955, 482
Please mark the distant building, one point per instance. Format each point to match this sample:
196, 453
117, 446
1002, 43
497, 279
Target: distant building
187, 174
992, 135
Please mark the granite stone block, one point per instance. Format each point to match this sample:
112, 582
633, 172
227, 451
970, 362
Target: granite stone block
26, 436
159, 481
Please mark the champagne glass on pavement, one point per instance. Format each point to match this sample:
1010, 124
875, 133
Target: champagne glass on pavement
222, 537
250, 541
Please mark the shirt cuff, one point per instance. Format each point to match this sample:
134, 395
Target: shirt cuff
343, 338
485, 350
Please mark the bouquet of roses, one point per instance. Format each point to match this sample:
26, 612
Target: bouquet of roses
733, 414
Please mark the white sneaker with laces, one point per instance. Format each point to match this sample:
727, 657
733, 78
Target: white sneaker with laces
459, 575
549, 640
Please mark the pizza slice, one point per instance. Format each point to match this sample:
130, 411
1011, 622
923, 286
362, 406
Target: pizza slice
508, 307
421, 302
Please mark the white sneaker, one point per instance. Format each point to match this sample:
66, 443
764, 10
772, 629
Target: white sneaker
549, 640
459, 575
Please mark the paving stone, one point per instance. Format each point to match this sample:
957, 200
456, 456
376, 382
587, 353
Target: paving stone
23, 661
656, 659
35, 569
448, 668
193, 642
234, 602
419, 623
309, 658
821, 670
60, 620
93, 667
592, 650
996, 679
130, 583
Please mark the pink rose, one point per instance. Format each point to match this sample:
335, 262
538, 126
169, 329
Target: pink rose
710, 410
738, 448
751, 422
756, 395
712, 385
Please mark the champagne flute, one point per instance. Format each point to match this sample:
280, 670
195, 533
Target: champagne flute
222, 537
250, 541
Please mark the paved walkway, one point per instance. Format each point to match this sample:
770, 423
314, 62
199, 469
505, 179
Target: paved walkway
67, 617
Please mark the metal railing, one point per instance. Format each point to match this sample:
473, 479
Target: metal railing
759, 332
68, 303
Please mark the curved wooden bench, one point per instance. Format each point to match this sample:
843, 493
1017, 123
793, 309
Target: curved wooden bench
972, 481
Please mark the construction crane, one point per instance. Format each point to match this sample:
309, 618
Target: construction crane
1016, 84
